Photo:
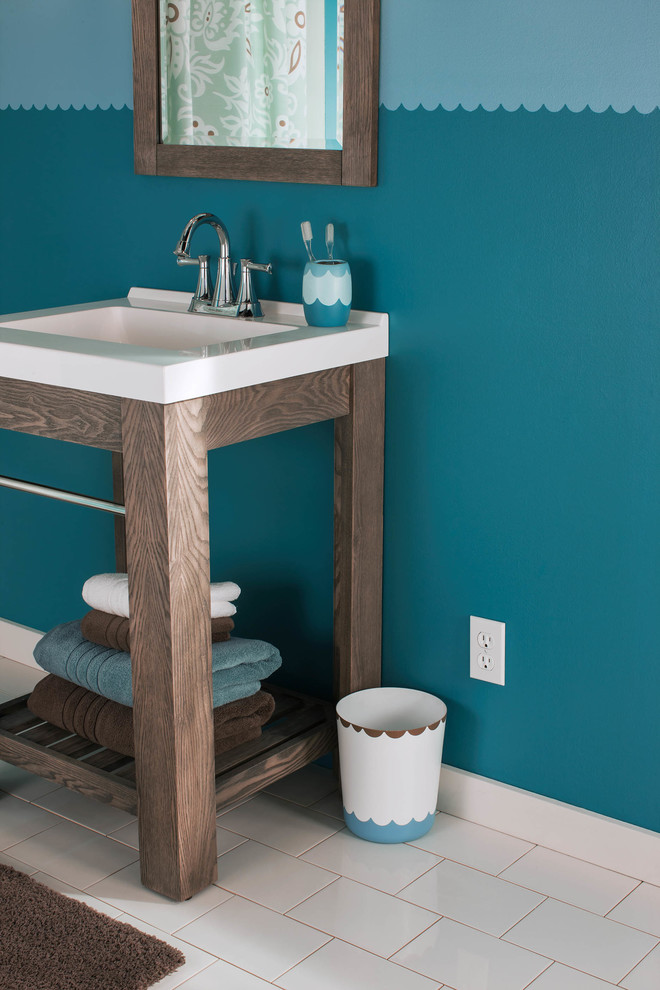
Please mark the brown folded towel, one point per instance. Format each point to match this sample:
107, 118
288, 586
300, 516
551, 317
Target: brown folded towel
112, 630
110, 724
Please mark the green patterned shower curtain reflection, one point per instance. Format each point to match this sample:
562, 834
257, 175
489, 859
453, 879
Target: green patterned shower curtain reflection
243, 72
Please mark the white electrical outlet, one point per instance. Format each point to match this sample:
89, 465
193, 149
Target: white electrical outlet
487, 650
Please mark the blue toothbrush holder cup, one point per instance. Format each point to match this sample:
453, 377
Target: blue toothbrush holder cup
327, 293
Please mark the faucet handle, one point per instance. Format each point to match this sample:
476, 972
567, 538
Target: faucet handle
252, 266
203, 294
248, 305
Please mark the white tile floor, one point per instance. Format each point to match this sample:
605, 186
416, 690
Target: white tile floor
301, 904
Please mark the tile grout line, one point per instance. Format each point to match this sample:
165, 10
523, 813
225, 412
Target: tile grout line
410, 940
363, 883
560, 900
639, 962
414, 880
397, 894
186, 941
188, 979
309, 955
638, 885
342, 828
497, 938
374, 955
539, 975
305, 899
282, 914
19, 797
355, 944
105, 835
86, 890
335, 877
59, 818
298, 804
25, 839
517, 860
276, 848
594, 914
495, 876
598, 866
575, 969
545, 898
488, 828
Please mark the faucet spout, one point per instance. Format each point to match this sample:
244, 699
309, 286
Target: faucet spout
224, 290
182, 250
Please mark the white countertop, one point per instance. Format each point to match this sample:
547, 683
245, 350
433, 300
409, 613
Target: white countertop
147, 346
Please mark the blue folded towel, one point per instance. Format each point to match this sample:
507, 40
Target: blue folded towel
239, 665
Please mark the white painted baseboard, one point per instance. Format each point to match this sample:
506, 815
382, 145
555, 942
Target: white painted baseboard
563, 827
17, 642
604, 841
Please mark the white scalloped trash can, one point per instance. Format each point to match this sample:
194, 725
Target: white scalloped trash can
390, 753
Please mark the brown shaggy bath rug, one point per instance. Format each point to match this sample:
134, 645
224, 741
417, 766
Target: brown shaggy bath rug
51, 942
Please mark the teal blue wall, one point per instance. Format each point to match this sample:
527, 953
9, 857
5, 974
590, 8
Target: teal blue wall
517, 254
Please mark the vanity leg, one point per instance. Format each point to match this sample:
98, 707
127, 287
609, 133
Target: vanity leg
120, 524
359, 453
167, 536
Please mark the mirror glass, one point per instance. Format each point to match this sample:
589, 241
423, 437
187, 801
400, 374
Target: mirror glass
252, 73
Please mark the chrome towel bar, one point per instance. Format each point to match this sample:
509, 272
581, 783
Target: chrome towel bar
63, 496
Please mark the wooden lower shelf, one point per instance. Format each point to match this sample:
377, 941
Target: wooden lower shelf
300, 730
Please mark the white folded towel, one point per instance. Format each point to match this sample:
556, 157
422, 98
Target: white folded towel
109, 593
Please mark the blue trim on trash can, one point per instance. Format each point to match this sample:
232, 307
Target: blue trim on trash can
388, 833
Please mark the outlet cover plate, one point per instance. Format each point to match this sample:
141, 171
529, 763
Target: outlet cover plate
487, 650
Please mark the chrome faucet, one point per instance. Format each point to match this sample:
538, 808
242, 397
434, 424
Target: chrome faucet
248, 306
206, 297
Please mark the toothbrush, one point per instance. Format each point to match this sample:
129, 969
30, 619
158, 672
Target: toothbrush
330, 239
306, 229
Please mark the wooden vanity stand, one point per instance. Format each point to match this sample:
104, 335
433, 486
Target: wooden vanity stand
174, 785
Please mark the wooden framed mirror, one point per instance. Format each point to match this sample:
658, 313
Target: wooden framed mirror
355, 164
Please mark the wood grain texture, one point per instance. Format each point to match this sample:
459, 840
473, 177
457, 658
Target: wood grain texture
45, 734
52, 765
167, 542
266, 768
359, 455
306, 717
74, 746
354, 165
15, 716
361, 68
259, 410
105, 759
120, 523
305, 733
258, 164
146, 85
165, 490
60, 413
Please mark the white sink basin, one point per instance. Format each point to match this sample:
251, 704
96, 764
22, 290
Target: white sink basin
123, 324
149, 347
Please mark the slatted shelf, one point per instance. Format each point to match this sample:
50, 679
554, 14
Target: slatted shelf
75, 746
300, 730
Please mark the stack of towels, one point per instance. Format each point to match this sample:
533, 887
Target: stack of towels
89, 691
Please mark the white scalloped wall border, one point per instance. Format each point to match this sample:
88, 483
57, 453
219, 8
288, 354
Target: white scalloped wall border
69, 106
573, 54
447, 106
492, 107
578, 55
